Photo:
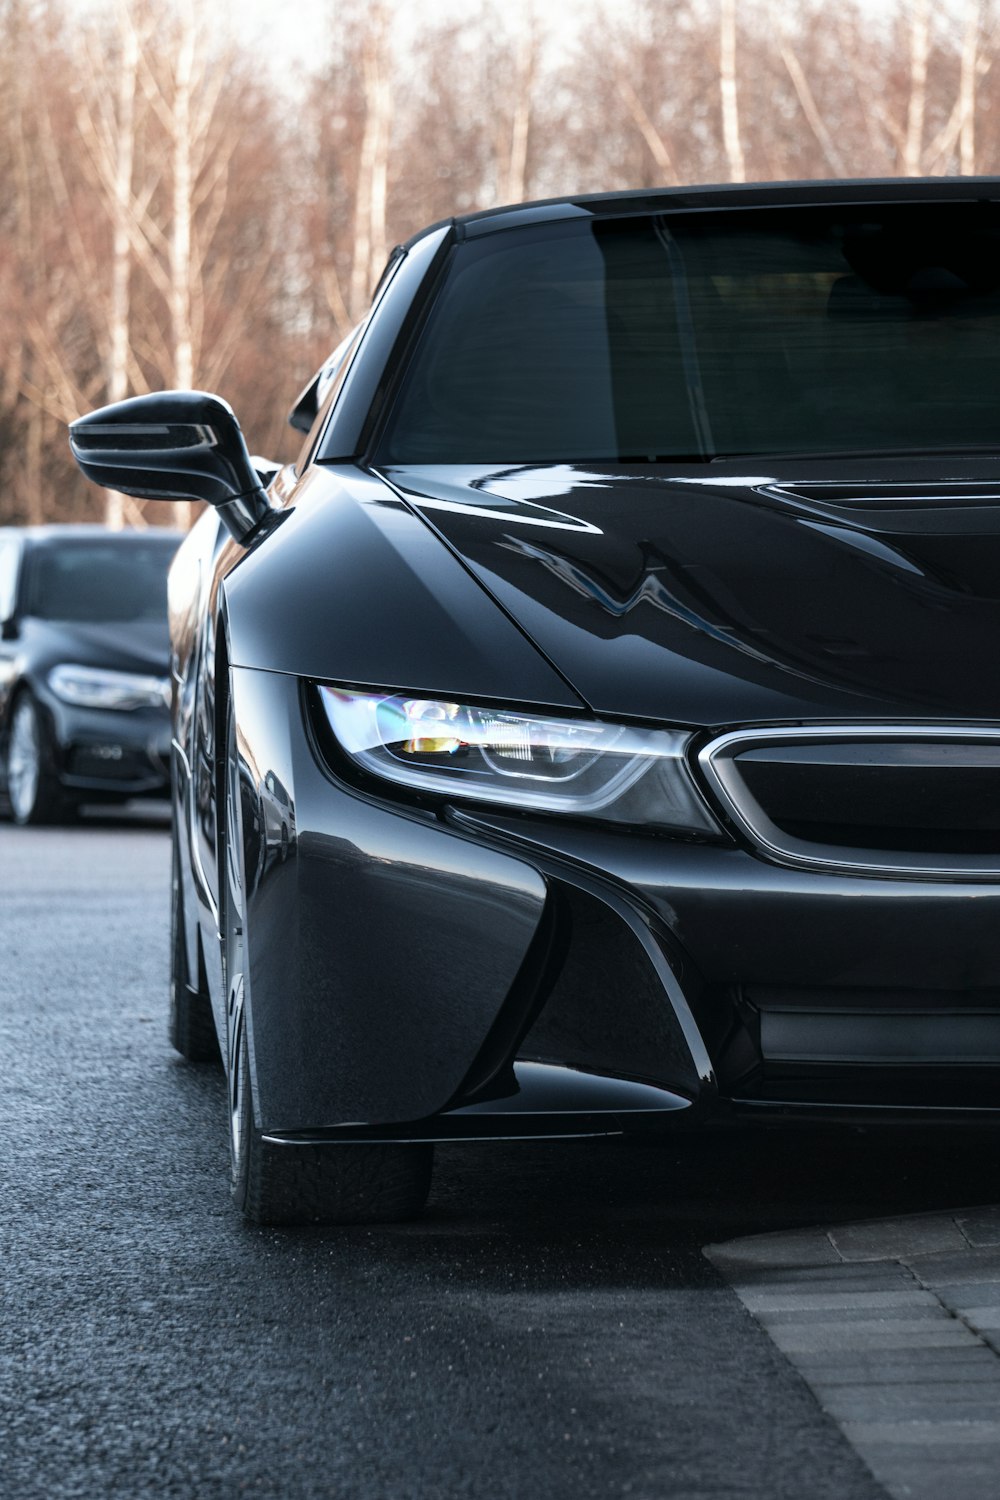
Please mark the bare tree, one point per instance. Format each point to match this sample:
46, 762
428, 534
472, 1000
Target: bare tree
346, 124
913, 141
727, 91
109, 131
373, 166
169, 220
967, 86
52, 334
20, 227
832, 156
640, 94
512, 62
658, 148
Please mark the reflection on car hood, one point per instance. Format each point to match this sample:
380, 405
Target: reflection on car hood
124, 646
826, 589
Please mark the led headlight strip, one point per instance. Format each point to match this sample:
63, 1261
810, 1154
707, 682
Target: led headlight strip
578, 767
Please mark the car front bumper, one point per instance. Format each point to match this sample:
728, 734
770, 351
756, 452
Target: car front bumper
429, 973
109, 753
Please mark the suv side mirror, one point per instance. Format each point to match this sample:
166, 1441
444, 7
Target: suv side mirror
173, 445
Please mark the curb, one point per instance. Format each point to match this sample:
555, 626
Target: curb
895, 1326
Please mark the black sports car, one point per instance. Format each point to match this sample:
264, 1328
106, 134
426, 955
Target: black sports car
84, 667
598, 728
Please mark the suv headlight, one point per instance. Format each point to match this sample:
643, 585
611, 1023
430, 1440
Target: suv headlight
579, 767
100, 687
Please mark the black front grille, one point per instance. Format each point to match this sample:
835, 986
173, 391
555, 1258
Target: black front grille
922, 798
118, 765
942, 799
111, 762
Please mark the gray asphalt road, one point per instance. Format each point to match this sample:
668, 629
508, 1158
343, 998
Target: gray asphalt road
549, 1329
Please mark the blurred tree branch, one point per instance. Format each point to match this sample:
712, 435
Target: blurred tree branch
173, 218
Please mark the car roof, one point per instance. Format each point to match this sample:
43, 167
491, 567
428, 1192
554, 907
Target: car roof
728, 195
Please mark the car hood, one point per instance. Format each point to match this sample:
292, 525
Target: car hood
133, 646
709, 596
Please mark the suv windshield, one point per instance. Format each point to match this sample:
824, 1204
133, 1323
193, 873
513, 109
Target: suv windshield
701, 335
97, 581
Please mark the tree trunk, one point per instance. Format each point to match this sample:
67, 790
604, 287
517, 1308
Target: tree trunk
380, 180
913, 146
33, 465
727, 90
373, 167
524, 79
658, 148
180, 238
121, 247
967, 89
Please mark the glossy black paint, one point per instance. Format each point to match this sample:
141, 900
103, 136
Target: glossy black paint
539, 1099
748, 939
352, 586
721, 597
405, 938
730, 197
423, 972
98, 754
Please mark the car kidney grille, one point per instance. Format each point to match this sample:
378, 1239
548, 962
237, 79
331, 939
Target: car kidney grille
923, 801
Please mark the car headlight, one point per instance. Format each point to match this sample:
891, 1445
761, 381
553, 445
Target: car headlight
577, 767
100, 687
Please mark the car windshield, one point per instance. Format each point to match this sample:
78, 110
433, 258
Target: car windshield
98, 581
692, 336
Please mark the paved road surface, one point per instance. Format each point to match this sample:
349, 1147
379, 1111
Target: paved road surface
550, 1329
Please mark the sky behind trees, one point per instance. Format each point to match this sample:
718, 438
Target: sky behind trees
195, 203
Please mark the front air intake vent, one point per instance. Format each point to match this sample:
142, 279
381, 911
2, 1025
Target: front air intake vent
960, 507
890, 497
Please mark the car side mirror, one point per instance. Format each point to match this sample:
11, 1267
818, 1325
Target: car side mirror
173, 445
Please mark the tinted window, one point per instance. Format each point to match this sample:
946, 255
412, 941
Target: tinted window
99, 581
700, 335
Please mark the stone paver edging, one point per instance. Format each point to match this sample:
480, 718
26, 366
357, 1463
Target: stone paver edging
895, 1325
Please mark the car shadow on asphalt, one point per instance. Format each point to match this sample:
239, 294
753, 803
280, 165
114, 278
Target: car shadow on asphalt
617, 1212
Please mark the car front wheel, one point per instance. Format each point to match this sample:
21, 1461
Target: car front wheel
292, 1184
32, 787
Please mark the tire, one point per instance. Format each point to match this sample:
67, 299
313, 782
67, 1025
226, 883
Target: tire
277, 1184
349, 1184
191, 1027
33, 789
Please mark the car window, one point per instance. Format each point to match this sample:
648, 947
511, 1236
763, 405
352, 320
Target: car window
9, 554
99, 581
693, 336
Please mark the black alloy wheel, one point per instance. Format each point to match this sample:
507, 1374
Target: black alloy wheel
279, 1184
